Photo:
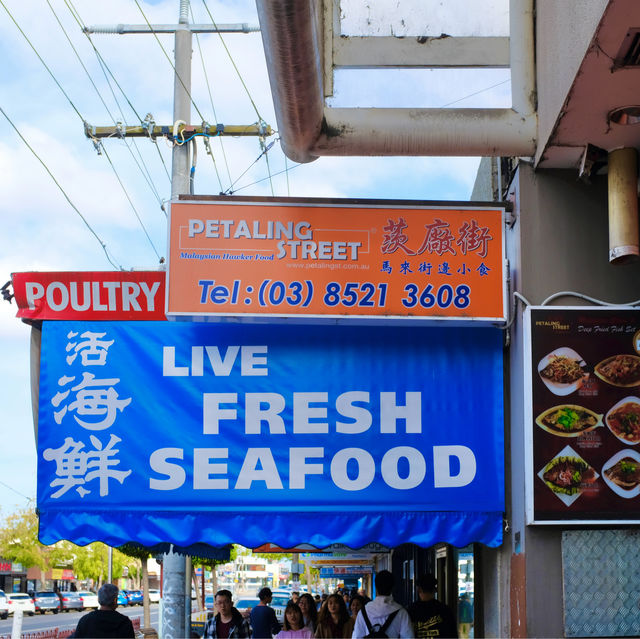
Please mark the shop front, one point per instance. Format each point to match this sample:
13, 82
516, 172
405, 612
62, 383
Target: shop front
357, 399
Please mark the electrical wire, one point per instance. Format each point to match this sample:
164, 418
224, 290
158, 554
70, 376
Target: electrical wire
105, 69
104, 150
224, 44
17, 492
230, 190
287, 170
588, 298
145, 172
195, 106
53, 77
78, 113
213, 108
73, 206
493, 86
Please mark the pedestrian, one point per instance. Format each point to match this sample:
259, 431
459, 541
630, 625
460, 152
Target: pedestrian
430, 617
263, 618
295, 595
333, 619
228, 623
357, 603
309, 611
106, 621
293, 625
383, 613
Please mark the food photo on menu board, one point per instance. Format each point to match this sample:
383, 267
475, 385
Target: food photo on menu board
585, 408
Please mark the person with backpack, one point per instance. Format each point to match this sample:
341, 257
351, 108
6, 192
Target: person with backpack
430, 617
383, 617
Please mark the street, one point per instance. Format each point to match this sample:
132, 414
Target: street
68, 620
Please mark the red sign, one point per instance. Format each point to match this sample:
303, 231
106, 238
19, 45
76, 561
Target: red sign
89, 295
5, 566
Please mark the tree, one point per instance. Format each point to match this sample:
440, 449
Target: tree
19, 543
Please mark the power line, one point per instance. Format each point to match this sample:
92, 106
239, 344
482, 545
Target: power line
43, 62
79, 115
17, 492
155, 35
105, 68
104, 150
224, 44
493, 86
215, 116
73, 206
146, 175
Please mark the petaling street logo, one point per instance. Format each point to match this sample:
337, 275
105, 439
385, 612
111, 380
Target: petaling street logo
295, 240
94, 404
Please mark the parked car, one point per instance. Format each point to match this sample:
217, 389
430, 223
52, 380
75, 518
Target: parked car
245, 605
209, 602
70, 601
279, 603
89, 599
122, 600
46, 600
4, 606
21, 601
154, 596
135, 597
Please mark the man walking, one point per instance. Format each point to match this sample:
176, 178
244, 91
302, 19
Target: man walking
263, 618
383, 613
430, 617
106, 621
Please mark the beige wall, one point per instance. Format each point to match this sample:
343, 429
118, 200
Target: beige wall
564, 29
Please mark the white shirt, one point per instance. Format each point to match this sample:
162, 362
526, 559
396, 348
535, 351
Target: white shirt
378, 610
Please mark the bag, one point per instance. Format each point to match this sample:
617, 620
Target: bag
377, 630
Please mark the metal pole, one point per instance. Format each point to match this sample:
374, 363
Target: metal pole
173, 597
110, 566
177, 603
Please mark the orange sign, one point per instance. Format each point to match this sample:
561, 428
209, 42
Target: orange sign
290, 258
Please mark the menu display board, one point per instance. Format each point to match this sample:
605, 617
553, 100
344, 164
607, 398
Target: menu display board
583, 417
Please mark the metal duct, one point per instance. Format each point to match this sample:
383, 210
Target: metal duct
292, 43
623, 206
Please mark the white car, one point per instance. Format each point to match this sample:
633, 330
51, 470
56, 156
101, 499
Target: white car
89, 599
154, 596
21, 601
4, 606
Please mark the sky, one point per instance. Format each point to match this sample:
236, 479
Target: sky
60, 207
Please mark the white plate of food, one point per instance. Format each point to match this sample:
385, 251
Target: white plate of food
562, 371
623, 420
622, 473
568, 420
619, 370
567, 474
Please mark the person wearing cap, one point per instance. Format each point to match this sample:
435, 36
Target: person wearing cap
430, 617
106, 621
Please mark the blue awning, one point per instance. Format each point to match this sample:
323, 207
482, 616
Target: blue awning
155, 432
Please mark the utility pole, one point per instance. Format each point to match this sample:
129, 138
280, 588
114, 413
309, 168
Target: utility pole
176, 594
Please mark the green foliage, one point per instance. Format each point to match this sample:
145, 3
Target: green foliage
19, 542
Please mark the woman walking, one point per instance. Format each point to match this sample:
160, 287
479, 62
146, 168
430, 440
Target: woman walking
332, 619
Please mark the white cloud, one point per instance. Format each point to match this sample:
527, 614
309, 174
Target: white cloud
40, 229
